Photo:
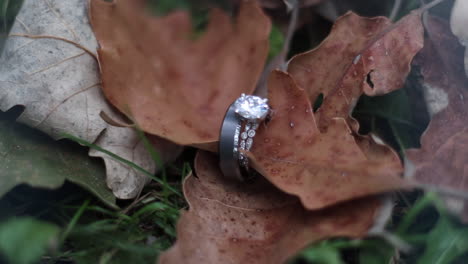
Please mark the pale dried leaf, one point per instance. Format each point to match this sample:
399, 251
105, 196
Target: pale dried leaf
126, 183
442, 160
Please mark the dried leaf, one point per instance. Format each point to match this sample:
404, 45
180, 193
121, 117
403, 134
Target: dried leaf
181, 87
30, 157
458, 22
361, 55
322, 168
321, 158
49, 66
126, 182
332, 9
443, 157
231, 222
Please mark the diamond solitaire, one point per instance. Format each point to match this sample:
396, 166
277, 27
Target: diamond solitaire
251, 107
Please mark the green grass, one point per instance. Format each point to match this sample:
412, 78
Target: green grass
90, 231
146, 226
433, 235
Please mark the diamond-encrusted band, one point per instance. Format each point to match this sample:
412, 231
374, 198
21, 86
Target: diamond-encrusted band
246, 142
237, 134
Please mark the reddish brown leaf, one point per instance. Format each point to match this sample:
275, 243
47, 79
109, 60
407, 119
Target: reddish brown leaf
319, 157
230, 222
322, 168
361, 55
442, 159
173, 86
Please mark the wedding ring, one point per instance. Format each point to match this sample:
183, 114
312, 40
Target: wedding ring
237, 134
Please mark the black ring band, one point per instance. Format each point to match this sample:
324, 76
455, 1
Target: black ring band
228, 153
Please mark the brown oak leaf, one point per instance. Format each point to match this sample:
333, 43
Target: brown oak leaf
322, 168
172, 85
442, 160
234, 222
361, 55
319, 156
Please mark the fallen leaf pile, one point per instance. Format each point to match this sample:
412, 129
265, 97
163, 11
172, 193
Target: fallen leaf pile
319, 157
321, 177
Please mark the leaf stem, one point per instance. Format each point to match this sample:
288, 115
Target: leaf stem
395, 10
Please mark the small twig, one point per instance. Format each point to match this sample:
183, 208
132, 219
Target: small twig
430, 5
383, 215
395, 10
136, 201
289, 34
57, 38
329, 10
279, 61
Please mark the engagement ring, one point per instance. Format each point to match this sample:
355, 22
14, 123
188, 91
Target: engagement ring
237, 133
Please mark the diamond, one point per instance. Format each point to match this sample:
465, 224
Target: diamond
251, 133
251, 107
245, 162
242, 144
244, 135
249, 143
